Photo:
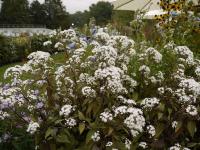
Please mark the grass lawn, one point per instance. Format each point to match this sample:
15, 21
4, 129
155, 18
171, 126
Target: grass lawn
58, 58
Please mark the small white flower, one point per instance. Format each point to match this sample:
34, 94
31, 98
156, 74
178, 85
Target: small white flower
128, 144
58, 45
150, 102
47, 43
144, 70
134, 133
106, 116
174, 124
109, 144
151, 52
135, 120
70, 122
151, 130
3, 115
192, 110
32, 127
66, 110
197, 71
88, 92
161, 90
177, 146
96, 136
143, 145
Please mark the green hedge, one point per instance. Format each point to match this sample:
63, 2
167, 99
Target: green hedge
15, 49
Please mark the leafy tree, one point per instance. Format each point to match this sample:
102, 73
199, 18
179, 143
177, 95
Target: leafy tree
15, 12
102, 11
57, 15
123, 17
80, 18
38, 13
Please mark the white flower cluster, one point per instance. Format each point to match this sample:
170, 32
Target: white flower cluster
102, 37
191, 86
128, 144
192, 110
197, 71
106, 53
69, 34
135, 121
149, 103
3, 115
109, 144
177, 146
154, 54
47, 43
113, 75
39, 56
145, 70
86, 78
186, 55
70, 122
32, 127
88, 92
96, 136
106, 116
66, 110
151, 130
59, 46
121, 41
174, 124
126, 101
143, 145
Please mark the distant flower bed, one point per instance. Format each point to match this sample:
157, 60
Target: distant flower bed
111, 93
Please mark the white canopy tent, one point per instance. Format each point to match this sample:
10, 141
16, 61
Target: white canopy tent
134, 5
151, 6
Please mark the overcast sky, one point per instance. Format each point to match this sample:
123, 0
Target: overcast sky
77, 5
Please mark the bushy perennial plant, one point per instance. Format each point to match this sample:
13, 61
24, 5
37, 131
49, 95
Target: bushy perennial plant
111, 93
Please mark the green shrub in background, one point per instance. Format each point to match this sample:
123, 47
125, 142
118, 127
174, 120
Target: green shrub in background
16, 49
5, 51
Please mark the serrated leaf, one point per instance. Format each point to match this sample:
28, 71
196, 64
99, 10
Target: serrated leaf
81, 127
191, 126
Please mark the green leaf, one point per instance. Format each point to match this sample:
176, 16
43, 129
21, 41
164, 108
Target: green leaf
159, 129
160, 115
62, 138
191, 126
88, 138
178, 127
110, 131
162, 107
192, 144
81, 115
50, 132
135, 96
81, 127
